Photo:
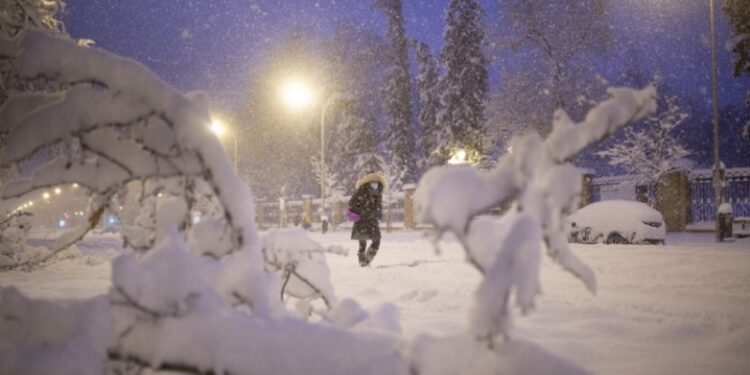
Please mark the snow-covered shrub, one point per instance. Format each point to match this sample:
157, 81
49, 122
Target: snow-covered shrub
544, 187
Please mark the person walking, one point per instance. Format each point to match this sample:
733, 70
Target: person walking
366, 210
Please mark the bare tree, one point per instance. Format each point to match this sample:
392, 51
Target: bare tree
562, 38
654, 149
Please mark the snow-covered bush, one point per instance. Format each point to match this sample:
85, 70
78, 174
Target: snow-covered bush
545, 188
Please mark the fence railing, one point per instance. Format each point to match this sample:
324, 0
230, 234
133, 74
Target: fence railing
736, 191
702, 207
289, 213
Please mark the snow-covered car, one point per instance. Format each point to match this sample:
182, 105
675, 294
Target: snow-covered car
621, 222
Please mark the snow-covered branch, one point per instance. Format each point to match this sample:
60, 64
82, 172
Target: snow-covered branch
545, 189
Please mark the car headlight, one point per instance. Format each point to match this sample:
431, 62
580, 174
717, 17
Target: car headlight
655, 224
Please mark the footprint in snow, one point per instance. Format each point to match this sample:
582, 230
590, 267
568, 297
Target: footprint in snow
427, 295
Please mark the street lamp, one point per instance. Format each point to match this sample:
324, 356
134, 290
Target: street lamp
297, 95
219, 129
459, 157
715, 102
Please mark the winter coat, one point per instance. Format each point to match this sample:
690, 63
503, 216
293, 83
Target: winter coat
367, 203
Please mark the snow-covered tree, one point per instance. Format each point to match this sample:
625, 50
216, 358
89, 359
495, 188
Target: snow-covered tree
354, 66
429, 103
357, 152
561, 39
545, 187
738, 12
399, 137
652, 150
464, 84
17, 16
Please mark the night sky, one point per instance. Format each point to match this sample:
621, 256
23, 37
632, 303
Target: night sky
213, 45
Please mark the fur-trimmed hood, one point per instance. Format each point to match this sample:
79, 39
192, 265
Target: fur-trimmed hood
371, 177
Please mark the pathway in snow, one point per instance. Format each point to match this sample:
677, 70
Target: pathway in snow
681, 309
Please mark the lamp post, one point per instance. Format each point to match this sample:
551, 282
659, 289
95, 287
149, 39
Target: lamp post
218, 128
715, 103
297, 95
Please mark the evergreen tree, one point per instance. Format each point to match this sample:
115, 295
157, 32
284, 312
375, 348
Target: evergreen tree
357, 152
464, 86
399, 139
429, 102
738, 12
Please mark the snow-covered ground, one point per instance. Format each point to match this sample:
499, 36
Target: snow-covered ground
683, 308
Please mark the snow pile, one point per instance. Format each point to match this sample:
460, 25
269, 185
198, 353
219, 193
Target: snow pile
302, 264
43, 337
725, 208
545, 189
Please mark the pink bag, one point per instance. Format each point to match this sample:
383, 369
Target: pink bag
351, 216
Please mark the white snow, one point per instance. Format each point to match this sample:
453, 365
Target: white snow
624, 217
725, 208
674, 309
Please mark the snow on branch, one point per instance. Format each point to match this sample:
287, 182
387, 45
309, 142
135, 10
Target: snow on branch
544, 189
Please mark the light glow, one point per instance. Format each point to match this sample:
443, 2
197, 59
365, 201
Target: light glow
58, 191
218, 127
459, 157
296, 94
45, 195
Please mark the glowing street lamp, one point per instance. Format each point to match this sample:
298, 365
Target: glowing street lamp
45, 195
219, 129
297, 95
58, 191
459, 157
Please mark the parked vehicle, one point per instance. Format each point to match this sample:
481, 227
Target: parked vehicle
618, 222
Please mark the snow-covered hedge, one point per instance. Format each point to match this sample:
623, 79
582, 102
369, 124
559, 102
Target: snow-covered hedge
209, 297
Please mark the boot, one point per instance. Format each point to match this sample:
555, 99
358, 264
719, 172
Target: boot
362, 258
371, 252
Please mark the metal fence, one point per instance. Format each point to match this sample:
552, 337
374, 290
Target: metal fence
736, 191
292, 211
